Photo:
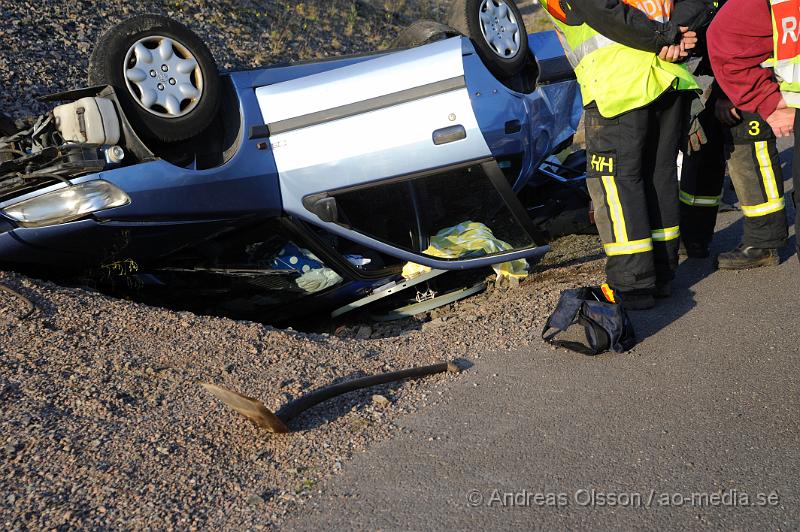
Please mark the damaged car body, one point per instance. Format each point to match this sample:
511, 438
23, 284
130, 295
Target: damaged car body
310, 186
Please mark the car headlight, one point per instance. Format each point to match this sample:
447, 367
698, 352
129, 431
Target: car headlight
67, 204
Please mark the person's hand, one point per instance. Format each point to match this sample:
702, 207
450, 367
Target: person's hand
688, 39
726, 112
782, 120
677, 52
672, 54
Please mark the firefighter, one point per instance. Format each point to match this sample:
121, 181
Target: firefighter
750, 147
626, 60
754, 50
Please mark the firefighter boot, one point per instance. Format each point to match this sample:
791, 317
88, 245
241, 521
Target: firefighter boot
746, 257
636, 300
662, 290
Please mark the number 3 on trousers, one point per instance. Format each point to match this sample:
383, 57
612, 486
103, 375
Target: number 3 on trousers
755, 128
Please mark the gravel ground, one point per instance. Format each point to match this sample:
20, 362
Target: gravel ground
103, 421
45, 45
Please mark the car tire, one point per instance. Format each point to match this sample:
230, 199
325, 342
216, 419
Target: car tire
497, 30
165, 77
423, 32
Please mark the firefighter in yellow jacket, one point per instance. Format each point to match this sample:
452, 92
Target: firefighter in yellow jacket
626, 57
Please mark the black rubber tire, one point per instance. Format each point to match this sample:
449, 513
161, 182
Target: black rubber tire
423, 32
106, 67
7, 125
464, 16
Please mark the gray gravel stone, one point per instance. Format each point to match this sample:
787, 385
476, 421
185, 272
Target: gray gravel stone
381, 400
364, 332
255, 500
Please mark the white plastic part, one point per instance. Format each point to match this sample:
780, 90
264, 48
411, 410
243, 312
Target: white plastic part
88, 120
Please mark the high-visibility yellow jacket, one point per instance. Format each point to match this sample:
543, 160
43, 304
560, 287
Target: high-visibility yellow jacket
614, 76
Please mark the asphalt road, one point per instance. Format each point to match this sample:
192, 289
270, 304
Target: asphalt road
706, 404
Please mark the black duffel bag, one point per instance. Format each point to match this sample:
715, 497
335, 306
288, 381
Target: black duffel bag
587, 313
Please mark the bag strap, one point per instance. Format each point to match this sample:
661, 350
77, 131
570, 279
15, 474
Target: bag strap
603, 340
601, 336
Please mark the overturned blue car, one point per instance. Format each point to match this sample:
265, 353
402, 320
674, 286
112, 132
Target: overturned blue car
297, 188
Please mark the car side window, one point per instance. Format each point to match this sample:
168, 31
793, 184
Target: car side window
407, 212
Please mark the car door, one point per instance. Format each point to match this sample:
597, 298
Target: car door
388, 152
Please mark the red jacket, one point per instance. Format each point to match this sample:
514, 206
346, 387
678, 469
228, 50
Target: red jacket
739, 40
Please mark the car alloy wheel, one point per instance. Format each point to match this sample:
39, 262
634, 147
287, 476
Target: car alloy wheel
166, 80
163, 76
500, 28
497, 30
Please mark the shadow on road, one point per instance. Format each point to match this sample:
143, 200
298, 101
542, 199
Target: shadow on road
692, 271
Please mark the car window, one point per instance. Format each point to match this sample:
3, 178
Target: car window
406, 213
262, 260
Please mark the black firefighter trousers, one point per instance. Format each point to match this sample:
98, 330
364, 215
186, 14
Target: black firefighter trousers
752, 157
633, 182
